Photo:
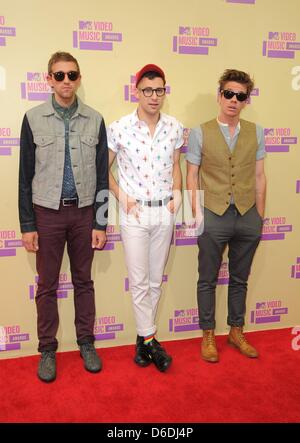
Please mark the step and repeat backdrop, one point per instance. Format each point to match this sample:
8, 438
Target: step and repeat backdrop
194, 41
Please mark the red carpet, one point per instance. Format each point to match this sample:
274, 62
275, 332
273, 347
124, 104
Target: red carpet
236, 389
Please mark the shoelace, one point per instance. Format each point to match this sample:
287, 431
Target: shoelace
210, 339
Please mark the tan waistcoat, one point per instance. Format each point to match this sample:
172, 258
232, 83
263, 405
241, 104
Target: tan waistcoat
223, 173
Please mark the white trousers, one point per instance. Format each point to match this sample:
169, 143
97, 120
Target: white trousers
146, 245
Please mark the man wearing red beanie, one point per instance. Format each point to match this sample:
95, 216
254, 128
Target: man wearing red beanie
147, 145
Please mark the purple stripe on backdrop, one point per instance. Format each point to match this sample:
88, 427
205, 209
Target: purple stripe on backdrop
183, 328
132, 79
298, 260
23, 90
174, 44
41, 96
5, 151
271, 319
126, 284
272, 237
2, 41
133, 99
297, 275
96, 46
196, 50
277, 148
223, 281
293, 45
293, 271
252, 317
114, 237
65, 286
208, 41
75, 39
9, 142
281, 54
11, 32
170, 325
284, 228
108, 336
289, 140
31, 292
13, 244
111, 328
126, 93
7, 252
280, 311
62, 294
112, 36
10, 347
264, 51
18, 337
186, 241
108, 247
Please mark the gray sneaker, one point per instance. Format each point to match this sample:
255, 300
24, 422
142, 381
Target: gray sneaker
47, 366
92, 362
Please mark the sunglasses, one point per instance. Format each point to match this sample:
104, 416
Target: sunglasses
240, 96
60, 75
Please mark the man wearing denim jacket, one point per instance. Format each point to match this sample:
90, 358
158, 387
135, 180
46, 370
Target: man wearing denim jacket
63, 183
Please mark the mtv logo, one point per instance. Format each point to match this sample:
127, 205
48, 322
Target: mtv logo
261, 305
269, 131
2, 79
179, 313
273, 35
184, 30
33, 76
85, 24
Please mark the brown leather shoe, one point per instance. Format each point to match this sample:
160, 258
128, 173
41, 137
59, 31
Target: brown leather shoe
208, 346
237, 339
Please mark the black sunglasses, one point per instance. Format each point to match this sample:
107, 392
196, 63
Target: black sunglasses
240, 96
60, 75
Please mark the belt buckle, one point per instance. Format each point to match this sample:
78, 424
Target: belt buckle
70, 200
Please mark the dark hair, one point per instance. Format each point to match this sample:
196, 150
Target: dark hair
151, 75
233, 75
61, 56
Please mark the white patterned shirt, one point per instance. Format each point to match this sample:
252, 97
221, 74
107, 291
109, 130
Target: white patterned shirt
145, 164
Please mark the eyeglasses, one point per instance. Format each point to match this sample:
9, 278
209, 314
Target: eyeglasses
148, 92
60, 75
240, 96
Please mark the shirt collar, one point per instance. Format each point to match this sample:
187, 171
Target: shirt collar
50, 110
134, 118
238, 126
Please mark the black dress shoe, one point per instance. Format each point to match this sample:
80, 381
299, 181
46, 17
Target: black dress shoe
92, 362
142, 356
159, 356
47, 366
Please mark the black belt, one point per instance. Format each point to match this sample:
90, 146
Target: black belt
155, 202
69, 201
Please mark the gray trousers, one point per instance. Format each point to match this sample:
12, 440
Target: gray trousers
242, 235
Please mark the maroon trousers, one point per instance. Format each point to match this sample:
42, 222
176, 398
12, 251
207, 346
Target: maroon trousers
71, 225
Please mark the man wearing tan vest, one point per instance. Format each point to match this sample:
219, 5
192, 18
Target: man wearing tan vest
225, 159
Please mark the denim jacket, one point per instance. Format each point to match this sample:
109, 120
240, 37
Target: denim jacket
42, 153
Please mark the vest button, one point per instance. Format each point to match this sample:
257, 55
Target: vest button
232, 175
229, 193
233, 184
227, 203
